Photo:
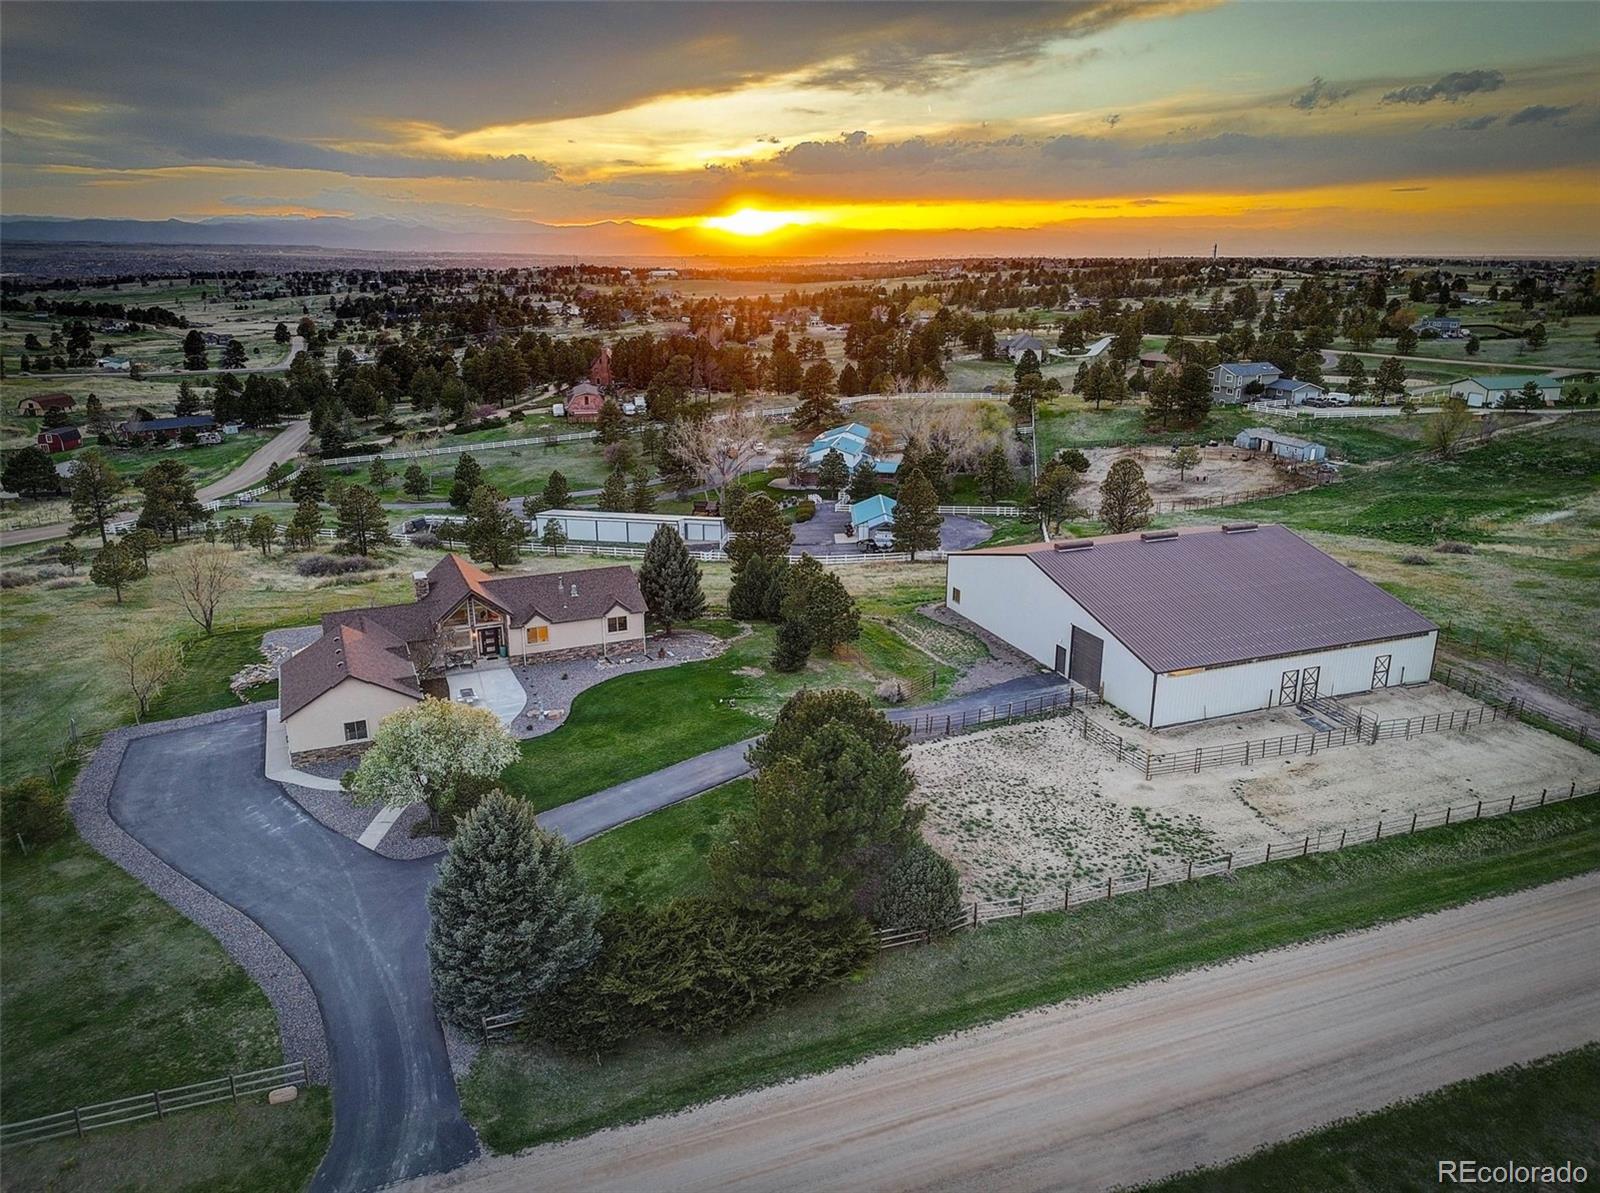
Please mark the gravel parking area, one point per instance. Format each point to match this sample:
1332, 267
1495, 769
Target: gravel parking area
1022, 809
299, 1020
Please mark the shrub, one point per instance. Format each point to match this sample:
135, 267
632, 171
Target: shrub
918, 889
333, 565
691, 967
805, 511
425, 538
1451, 547
34, 811
1416, 560
16, 579
63, 582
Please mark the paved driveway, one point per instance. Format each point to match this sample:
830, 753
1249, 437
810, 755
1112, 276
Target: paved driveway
353, 921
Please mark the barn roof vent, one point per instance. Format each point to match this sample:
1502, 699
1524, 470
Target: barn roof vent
574, 590
1237, 527
1158, 536
1073, 545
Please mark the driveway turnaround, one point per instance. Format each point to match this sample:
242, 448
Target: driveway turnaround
594, 814
354, 923
1142, 1082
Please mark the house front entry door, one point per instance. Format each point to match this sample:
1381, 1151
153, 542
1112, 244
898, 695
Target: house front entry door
489, 642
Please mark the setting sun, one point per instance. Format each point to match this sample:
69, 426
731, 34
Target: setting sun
752, 221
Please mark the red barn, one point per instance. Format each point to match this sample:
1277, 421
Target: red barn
42, 403
584, 402
600, 371
59, 439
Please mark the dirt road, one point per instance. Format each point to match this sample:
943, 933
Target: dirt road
1142, 1082
285, 445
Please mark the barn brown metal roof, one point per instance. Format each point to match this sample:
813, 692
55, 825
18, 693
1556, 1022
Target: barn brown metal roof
1206, 596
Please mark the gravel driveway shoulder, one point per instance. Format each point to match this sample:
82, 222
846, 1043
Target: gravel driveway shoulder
286, 987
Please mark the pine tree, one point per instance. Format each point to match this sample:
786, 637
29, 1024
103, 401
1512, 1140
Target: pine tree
263, 531
614, 494
793, 647
468, 476
916, 516
747, 598
494, 534
996, 479
817, 597
669, 577
115, 567
170, 504
609, 427
1052, 498
863, 482
640, 498
378, 473
832, 472
510, 915
70, 556
304, 526
758, 529
309, 484
556, 492
94, 488
554, 537
1125, 503
416, 484
817, 407
362, 523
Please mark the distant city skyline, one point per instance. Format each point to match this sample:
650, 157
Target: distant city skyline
1100, 127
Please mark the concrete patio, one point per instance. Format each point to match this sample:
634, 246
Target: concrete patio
496, 688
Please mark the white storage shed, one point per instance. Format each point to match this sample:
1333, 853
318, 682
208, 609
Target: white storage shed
631, 530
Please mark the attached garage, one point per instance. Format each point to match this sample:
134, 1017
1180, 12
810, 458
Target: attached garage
1176, 626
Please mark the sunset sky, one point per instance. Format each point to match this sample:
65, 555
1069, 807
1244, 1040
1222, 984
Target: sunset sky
868, 128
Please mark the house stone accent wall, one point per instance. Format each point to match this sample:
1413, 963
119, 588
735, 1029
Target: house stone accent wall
345, 753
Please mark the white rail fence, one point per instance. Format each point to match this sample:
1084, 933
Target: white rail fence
1332, 840
156, 1104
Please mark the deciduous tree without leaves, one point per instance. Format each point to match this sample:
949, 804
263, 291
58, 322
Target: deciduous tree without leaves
200, 578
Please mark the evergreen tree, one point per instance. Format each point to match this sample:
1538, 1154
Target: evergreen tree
1125, 503
640, 498
309, 484
170, 504
278, 474
916, 516
863, 482
817, 597
115, 567
468, 476
610, 427
758, 529
30, 473
233, 355
995, 478
494, 534
378, 473
832, 472
669, 577
416, 485
1053, 497
362, 522
554, 537
94, 490
747, 598
234, 530
793, 647
510, 915
302, 531
1193, 394
556, 493
614, 493
70, 556
194, 352
818, 407
1163, 405
187, 402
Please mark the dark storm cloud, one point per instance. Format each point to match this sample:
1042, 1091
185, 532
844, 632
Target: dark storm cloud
1449, 88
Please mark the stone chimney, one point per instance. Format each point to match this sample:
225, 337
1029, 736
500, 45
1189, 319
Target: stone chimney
419, 585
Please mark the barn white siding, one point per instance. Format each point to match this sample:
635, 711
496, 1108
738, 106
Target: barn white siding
1245, 687
1017, 603
632, 530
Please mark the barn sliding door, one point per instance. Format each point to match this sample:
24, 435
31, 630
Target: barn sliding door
1289, 687
1309, 678
1380, 672
1087, 651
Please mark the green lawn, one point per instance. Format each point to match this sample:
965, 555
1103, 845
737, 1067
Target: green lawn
251, 1148
208, 665
518, 1097
639, 723
1542, 1113
107, 991
663, 855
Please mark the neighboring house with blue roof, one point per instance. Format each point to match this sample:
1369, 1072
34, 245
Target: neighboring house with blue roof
1493, 390
1229, 381
867, 516
851, 442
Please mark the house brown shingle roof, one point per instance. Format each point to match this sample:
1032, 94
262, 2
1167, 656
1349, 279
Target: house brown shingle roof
580, 595
363, 651
1207, 597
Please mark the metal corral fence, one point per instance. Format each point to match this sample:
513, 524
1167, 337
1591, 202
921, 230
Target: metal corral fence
1181, 504
1509, 652
1061, 702
985, 911
156, 1104
1584, 732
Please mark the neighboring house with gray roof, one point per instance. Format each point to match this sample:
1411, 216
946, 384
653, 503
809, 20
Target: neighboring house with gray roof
372, 662
1183, 625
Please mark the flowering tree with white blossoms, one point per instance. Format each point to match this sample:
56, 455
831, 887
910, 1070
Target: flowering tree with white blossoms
437, 752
